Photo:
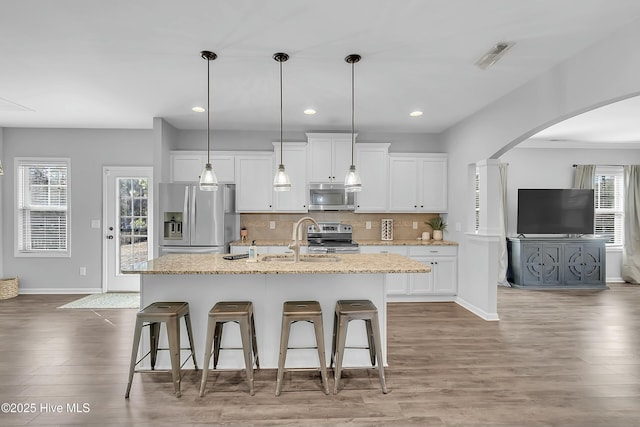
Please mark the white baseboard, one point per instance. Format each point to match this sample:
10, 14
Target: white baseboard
477, 311
50, 291
615, 280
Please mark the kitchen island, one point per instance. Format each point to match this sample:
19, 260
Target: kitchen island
204, 279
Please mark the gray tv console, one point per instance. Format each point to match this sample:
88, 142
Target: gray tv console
557, 263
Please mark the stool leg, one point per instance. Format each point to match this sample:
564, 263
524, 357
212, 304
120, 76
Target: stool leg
254, 342
333, 340
173, 332
245, 334
207, 355
134, 354
217, 339
284, 343
154, 339
187, 321
372, 344
341, 339
378, 341
317, 325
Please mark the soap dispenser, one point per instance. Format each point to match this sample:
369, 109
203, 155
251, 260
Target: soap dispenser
253, 252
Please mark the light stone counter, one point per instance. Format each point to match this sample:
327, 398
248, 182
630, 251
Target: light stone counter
215, 264
402, 242
205, 279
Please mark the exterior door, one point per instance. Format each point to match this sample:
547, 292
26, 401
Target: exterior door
127, 223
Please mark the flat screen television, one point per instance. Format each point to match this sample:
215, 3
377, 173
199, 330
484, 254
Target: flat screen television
555, 211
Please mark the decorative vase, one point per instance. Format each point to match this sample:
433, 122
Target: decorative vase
437, 234
426, 235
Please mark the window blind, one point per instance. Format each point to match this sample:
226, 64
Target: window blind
609, 203
43, 220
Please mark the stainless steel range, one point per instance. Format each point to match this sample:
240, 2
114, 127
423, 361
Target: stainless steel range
333, 237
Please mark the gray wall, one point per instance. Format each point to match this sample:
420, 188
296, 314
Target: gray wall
89, 150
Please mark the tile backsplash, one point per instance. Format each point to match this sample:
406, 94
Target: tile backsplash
258, 225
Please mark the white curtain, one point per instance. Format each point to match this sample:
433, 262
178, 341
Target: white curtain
584, 176
631, 248
503, 256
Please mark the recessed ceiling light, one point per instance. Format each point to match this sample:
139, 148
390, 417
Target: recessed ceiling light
309, 111
198, 109
415, 113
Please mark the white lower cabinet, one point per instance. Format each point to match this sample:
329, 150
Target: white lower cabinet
439, 285
397, 283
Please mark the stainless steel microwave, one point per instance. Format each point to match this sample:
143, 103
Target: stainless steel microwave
330, 197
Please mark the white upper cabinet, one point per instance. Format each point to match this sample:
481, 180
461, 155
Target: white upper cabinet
186, 166
329, 156
295, 164
254, 182
372, 162
417, 182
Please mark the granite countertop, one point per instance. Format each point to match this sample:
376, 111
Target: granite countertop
401, 242
215, 264
406, 242
265, 242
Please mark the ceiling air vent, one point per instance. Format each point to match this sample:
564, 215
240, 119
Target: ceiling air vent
493, 55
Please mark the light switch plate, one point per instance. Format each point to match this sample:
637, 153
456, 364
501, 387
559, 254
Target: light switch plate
367, 225
272, 225
415, 225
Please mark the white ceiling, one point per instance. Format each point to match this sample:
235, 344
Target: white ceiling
119, 63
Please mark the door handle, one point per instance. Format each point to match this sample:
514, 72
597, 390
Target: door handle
109, 237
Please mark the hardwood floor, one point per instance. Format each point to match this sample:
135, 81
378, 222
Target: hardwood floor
564, 358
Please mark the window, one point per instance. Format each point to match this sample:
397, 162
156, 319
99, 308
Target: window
42, 217
609, 203
477, 201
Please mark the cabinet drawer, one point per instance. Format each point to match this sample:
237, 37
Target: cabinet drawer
433, 250
400, 250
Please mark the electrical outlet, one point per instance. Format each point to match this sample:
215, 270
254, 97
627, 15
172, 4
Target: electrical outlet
458, 226
272, 225
83, 271
415, 225
367, 225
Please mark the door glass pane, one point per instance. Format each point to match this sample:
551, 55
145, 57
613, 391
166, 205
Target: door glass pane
133, 221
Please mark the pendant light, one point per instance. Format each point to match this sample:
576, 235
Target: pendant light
352, 182
281, 181
208, 179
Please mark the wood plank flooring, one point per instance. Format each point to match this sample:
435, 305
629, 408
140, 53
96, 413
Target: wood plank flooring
564, 358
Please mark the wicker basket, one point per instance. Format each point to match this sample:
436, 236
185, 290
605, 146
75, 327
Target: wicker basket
8, 288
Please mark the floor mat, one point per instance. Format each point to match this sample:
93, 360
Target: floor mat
107, 300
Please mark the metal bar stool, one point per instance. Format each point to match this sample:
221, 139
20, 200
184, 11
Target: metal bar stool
346, 311
240, 312
153, 316
301, 311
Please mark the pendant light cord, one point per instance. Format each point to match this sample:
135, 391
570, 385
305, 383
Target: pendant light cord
352, 111
208, 114
281, 159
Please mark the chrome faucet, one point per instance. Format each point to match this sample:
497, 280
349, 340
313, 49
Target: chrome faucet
296, 236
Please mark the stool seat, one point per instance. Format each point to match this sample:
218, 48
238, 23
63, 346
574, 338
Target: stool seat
301, 311
240, 312
346, 311
153, 316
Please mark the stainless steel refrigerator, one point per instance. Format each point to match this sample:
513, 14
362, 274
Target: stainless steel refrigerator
195, 221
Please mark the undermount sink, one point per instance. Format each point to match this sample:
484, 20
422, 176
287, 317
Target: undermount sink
303, 258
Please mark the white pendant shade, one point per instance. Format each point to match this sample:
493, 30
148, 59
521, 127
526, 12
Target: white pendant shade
281, 181
208, 179
352, 182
